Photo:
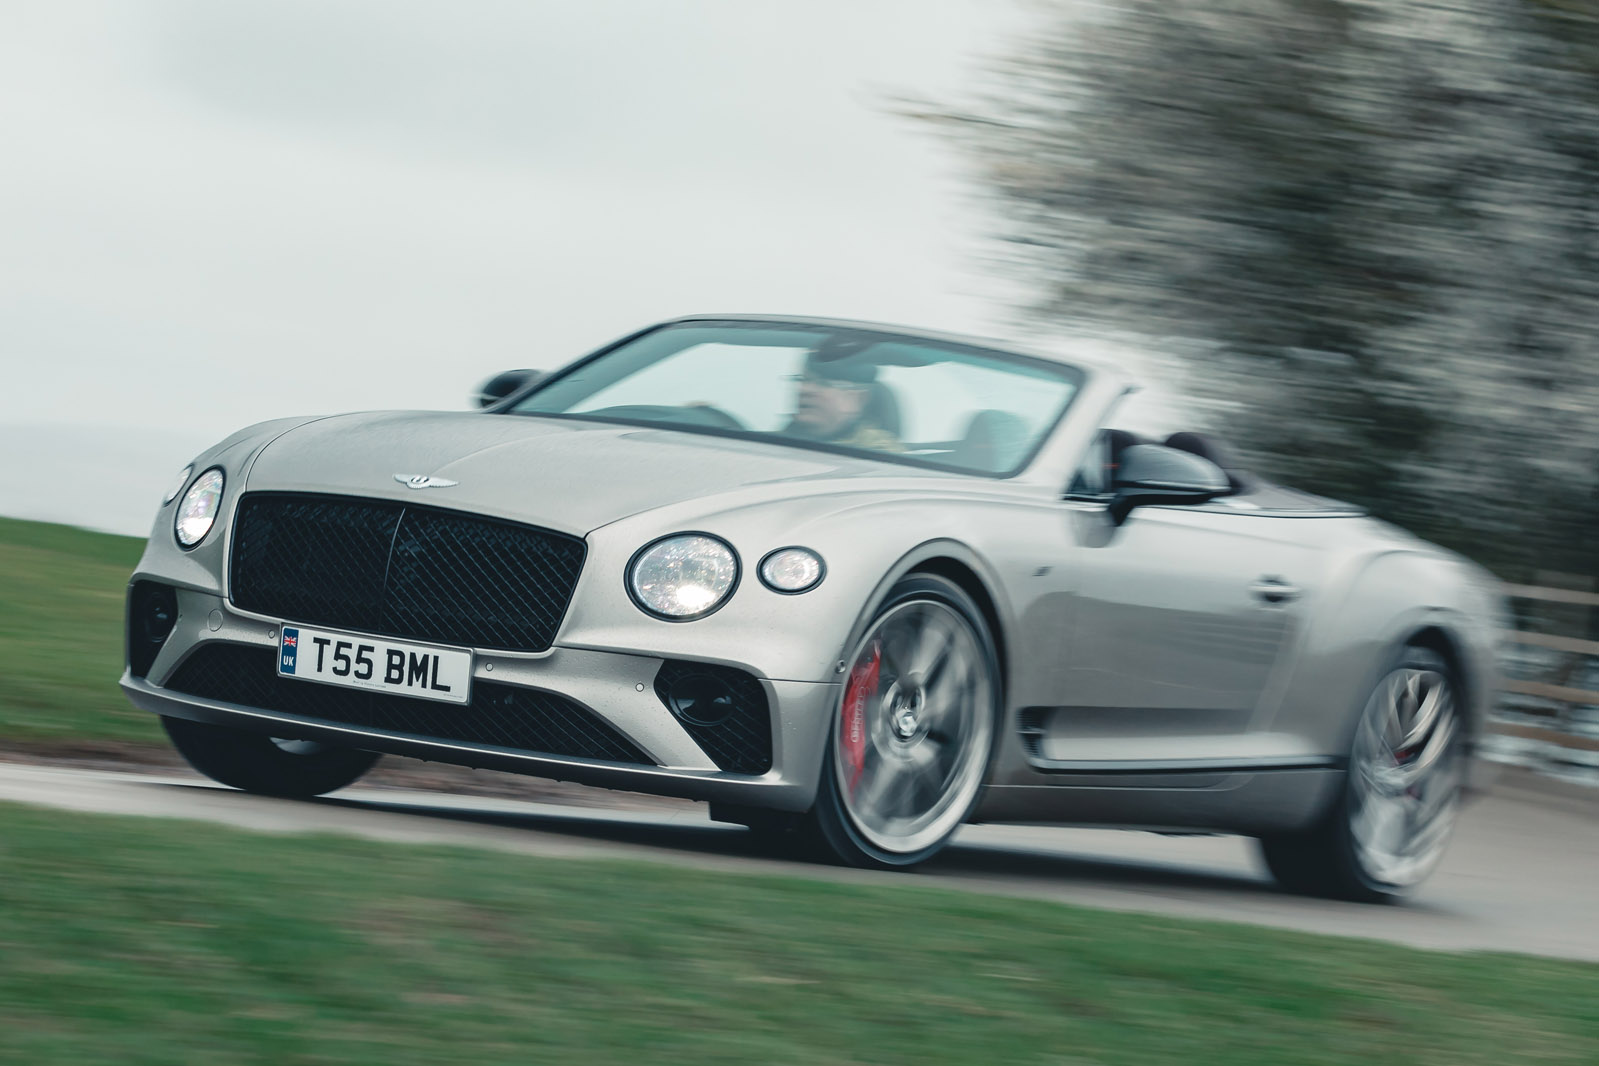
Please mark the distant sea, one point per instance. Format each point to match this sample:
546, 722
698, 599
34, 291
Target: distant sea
98, 477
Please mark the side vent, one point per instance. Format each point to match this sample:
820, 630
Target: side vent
1030, 723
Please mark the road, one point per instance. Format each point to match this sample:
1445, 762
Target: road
1519, 876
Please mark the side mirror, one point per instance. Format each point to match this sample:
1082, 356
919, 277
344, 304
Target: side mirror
500, 386
1154, 474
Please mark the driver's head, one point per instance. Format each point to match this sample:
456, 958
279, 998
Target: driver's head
832, 393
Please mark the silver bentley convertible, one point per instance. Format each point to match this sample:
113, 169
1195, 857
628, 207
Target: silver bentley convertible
852, 585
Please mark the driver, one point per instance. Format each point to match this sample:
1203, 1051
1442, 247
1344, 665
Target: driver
839, 401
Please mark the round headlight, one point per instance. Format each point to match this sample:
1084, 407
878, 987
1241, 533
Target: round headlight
198, 510
792, 570
683, 577
177, 486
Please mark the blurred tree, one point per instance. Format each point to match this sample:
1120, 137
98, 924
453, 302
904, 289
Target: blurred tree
1367, 233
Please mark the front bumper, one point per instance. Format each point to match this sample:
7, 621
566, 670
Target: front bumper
616, 687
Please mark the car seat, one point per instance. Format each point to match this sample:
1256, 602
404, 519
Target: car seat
994, 442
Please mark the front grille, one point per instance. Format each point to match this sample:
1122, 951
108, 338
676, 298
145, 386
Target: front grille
401, 570
741, 741
503, 716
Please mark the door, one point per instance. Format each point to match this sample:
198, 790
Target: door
1181, 622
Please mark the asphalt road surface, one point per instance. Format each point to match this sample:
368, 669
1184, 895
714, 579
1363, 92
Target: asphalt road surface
1520, 876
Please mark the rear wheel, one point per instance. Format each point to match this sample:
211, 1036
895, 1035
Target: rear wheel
911, 737
1390, 826
272, 766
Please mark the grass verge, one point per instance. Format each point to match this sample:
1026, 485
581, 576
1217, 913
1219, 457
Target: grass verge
145, 941
61, 604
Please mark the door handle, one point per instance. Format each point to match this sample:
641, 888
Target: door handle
1275, 590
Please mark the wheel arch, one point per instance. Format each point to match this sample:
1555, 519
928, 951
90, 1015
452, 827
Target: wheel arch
1377, 604
1437, 637
953, 569
956, 562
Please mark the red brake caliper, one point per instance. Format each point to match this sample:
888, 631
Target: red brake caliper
852, 730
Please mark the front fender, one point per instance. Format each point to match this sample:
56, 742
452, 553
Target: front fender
866, 547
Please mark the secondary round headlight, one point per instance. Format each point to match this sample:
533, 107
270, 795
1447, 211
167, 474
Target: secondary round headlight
177, 487
198, 511
684, 576
792, 570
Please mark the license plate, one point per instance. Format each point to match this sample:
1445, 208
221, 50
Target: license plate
375, 664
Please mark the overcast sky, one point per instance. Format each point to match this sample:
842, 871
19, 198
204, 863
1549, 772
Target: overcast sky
213, 214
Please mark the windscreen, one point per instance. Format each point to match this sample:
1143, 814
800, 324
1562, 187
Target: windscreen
894, 397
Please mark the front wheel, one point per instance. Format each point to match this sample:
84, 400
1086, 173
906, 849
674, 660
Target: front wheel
1390, 826
911, 737
271, 766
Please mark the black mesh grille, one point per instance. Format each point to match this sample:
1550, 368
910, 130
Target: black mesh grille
402, 570
504, 716
316, 559
742, 741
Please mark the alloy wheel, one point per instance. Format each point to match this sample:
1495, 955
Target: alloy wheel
915, 726
1405, 777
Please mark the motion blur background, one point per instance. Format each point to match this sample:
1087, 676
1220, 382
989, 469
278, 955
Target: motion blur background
1357, 239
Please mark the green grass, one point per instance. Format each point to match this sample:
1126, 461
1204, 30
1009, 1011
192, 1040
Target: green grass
145, 941
61, 597
139, 941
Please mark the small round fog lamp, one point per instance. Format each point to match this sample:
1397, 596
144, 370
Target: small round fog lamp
792, 570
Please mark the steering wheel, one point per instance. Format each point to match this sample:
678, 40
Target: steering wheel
693, 414
712, 415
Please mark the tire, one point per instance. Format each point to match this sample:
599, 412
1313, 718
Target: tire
255, 762
915, 725
1357, 851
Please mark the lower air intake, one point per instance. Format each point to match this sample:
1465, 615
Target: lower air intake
723, 709
501, 716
